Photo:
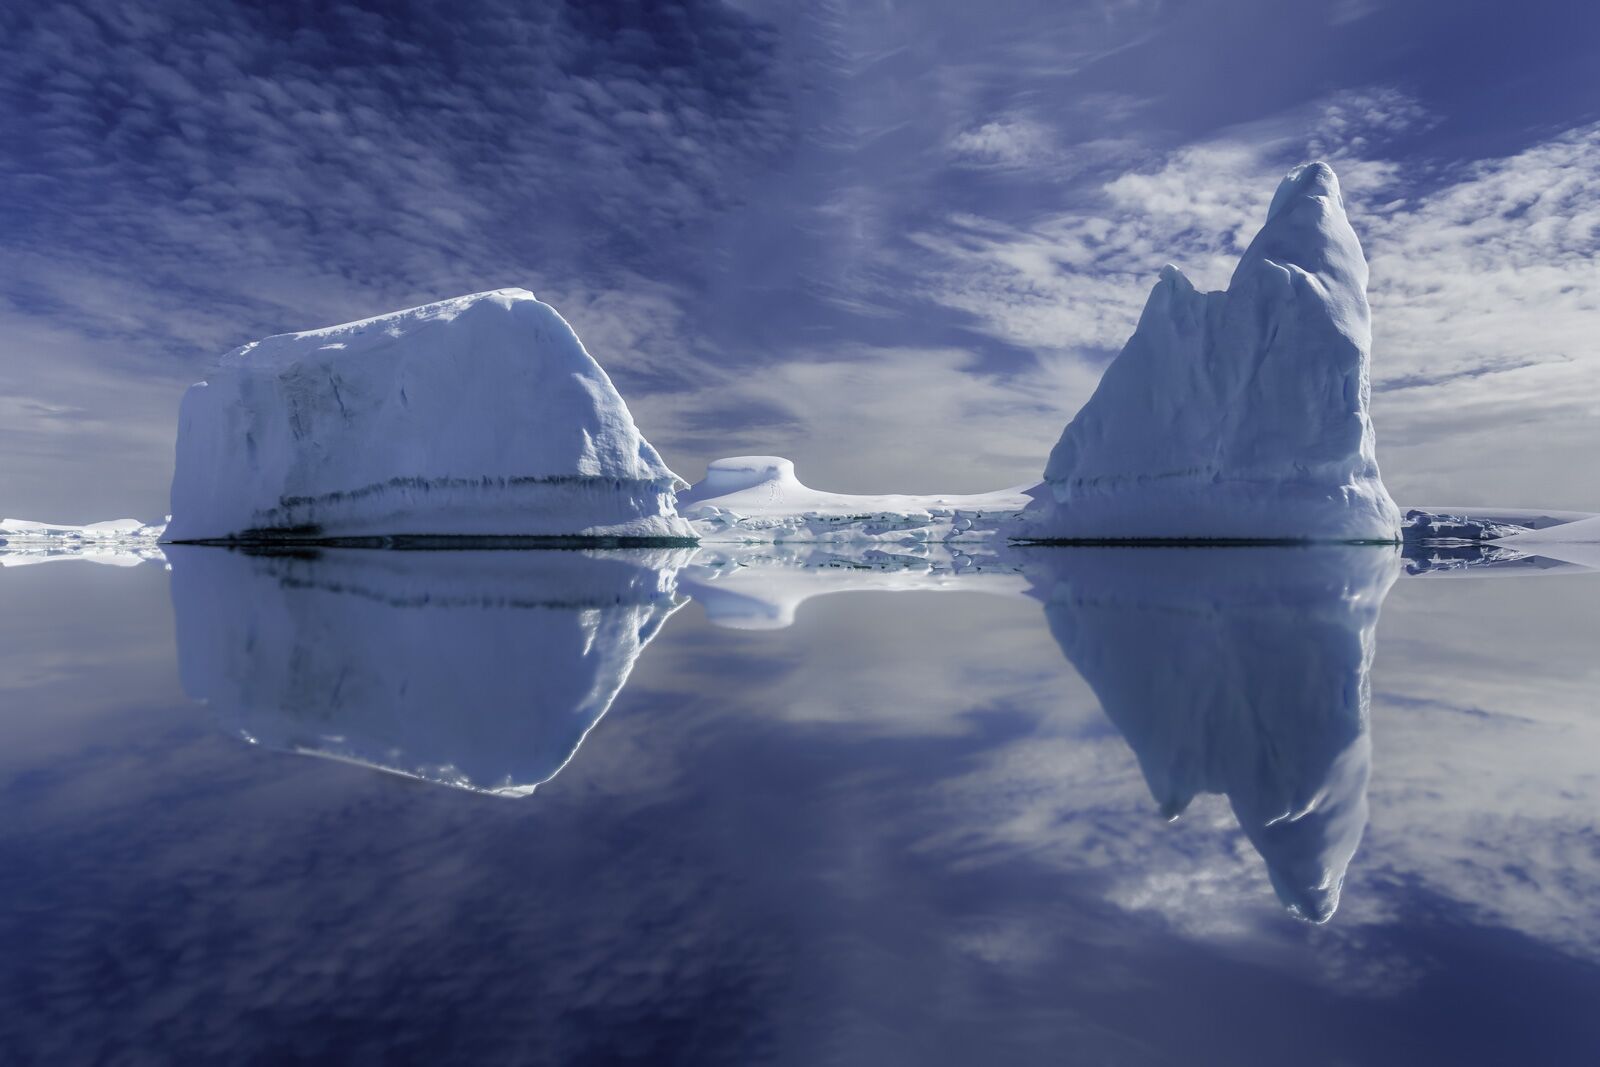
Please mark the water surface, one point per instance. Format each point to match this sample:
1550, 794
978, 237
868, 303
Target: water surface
1101, 806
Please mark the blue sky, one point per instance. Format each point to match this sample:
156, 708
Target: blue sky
894, 242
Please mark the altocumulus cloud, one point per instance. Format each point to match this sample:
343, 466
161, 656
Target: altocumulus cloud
897, 245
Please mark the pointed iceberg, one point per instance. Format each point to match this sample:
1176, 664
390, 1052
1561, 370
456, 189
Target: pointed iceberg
480, 670
1236, 415
479, 416
1243, 673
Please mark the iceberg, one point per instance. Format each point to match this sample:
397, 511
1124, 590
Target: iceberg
480, 670
760, 499
1244, 673
481, 416
1238, 415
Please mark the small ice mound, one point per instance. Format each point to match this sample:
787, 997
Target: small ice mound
481, 416
739, 473
1236, 415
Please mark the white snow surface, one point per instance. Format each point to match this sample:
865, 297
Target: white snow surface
1572, 542
477, 416
109, 530
759, 498
1239, 414
1580, 531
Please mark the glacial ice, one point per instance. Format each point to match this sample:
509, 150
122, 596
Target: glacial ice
759, 498
1236, 415
478, 416
481, 670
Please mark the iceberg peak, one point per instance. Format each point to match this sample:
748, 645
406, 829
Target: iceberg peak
1236, 415
1312, 180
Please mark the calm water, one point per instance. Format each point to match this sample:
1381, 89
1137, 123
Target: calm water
915, 820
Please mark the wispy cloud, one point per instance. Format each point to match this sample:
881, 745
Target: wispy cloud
1483, 284
740, 201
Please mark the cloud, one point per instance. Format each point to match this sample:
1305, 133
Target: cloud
735, 202
1483, 285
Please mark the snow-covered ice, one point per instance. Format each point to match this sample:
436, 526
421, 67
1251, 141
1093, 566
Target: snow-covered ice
759, 498
1239, 414
478, 416
481, 670
1243, 673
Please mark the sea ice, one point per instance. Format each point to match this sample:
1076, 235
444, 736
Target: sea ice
759, 498
1236, 415
478, 416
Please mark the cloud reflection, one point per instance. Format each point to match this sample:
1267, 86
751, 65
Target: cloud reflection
1242, 673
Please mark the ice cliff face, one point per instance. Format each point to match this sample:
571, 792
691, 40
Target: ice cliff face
481, 415
1239, 414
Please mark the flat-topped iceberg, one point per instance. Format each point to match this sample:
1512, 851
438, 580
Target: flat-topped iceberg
479, 416
759, 498
1236, 415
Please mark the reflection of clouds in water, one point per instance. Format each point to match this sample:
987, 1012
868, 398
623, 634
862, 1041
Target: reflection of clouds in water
902, 828
1242, 673
1486, 781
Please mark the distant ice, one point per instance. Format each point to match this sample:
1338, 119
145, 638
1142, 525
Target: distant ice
479, 416
115, 542
1239, 414
1575, 542
759, 498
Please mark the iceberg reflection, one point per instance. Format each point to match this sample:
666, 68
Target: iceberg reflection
1242, 672
482, 670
